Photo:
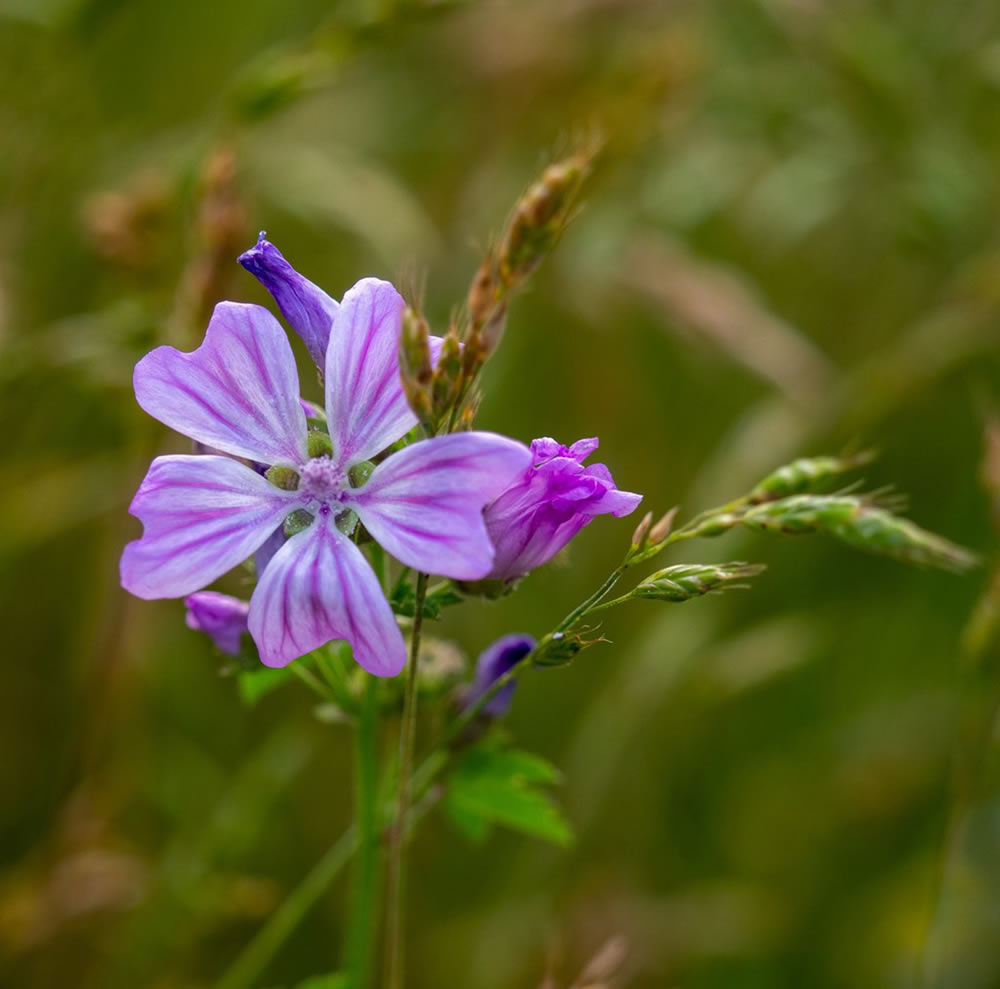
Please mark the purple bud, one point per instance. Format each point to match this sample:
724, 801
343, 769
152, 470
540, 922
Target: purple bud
308, 310
221, 617
492, 664
552, 501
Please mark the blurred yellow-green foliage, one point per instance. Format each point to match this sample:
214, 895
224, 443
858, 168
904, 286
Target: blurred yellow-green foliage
791, 245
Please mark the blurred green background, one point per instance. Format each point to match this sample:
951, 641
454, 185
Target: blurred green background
790, 246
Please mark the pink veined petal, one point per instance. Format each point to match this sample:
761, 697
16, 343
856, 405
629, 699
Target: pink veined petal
202, 516
319, 587
365, 406
424, 504
238, 392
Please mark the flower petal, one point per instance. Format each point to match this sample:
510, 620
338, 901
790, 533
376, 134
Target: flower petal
221, 617
365, 406
202, 516
424, 504
238, 392
319, 587
497, 659
308, 310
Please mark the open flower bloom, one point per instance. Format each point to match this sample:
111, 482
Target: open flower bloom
221, 617
554, 498
239, 393
497, 659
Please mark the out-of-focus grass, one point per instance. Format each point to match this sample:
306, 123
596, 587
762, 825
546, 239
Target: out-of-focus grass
791, 246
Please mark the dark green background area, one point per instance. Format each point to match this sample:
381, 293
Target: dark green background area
790, 246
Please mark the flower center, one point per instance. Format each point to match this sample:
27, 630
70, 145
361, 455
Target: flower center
321, 480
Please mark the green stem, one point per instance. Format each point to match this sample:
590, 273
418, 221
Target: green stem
397, 858
609, 604
364, 914
310, 679
245, 971
246, 968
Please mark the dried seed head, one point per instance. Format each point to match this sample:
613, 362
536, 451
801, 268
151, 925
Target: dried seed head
415, 365
484, 293
446, 381
540, 217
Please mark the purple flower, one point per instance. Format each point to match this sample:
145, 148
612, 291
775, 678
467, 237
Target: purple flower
307, 309
492, 664
202, 515
549, 504
221, 617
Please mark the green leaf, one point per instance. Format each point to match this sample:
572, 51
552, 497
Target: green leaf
517, 807
494, 784
404, 600
470, 822
255, 685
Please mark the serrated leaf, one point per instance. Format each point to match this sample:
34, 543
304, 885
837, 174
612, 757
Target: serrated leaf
494, 784
255, 685
472, 824
515, 806
404, 600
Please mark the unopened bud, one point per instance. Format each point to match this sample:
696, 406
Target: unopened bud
641, 530
661, 530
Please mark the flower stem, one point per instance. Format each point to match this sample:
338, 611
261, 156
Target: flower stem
397, 858
364, 912
246, 970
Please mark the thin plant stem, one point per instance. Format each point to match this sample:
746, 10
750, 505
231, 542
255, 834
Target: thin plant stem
246, 970
310, 679
363, 921
397, 857
283, 922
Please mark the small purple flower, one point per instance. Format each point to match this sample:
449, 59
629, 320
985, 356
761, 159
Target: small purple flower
202, 515
492, 664
307, 309
221, 617
549, 504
